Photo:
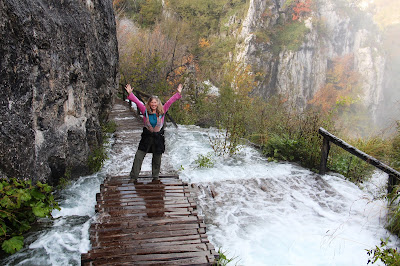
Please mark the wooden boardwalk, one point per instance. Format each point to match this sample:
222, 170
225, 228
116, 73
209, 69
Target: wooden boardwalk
149, 222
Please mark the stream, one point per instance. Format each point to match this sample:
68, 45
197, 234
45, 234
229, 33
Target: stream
257, 212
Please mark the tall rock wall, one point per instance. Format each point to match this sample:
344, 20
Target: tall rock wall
299, 73
59, 71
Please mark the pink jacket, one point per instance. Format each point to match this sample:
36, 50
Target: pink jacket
142, 107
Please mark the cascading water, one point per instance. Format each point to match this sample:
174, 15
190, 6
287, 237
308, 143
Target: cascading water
267, 213
261, 212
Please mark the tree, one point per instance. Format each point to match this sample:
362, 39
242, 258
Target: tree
150, 11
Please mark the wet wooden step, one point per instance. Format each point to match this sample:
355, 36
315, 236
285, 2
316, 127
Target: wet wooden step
147, 223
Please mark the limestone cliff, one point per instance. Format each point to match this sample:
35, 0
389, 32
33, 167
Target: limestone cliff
59, 71
333, 30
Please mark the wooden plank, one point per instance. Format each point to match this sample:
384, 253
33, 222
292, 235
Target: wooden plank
143, 221
148, 244
151, 241
128, 227
151, 257
139, 236
202, 260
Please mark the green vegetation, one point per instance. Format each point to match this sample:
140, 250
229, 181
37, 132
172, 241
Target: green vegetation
223, 259
290, 30
109, 127
150, 10
290, 36
144, 12
96, 159
205, 16
195, 108
389, 256
395, 150
353, 168
99, 154
205, 161
234, 109
393, 223
21, 204
293, 135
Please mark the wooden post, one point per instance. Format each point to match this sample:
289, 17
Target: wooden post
391, 183
324, 155
170, 119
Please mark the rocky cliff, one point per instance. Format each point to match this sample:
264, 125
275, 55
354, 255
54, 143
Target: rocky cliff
59, 71
331, 30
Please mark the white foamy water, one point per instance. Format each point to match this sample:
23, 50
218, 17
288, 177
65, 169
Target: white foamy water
264, 213
267, 213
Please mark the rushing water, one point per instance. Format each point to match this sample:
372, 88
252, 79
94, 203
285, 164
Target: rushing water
261, 212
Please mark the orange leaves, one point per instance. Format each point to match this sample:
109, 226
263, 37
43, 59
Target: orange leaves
342, 85
186, 107
342, 74
301, 8
174, 77
117, 3
204, 43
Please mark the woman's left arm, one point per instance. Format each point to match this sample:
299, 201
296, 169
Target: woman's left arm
175, 97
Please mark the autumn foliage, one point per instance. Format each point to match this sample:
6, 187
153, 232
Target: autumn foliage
301, 8
204, 43
342, 85
150, 60
187, 63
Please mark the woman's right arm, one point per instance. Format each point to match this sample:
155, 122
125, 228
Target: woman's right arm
134, 99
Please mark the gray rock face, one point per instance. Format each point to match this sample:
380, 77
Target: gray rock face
300, 74
59, 72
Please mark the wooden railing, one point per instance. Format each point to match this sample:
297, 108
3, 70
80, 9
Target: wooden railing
394, 175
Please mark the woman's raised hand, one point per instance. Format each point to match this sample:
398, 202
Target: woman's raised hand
128, 88
179, 89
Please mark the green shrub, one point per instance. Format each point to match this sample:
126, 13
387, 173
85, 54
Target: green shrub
98, 155
234, 109
223, 259
96, 159
205, 16
291, 35
395, 150
388, 256
293, 135
204, 161
283, 147
351, 167
21, 204
213, 57
109, 127
150, 10
288, 35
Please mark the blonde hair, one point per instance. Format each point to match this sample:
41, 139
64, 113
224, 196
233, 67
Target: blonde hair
159, 109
